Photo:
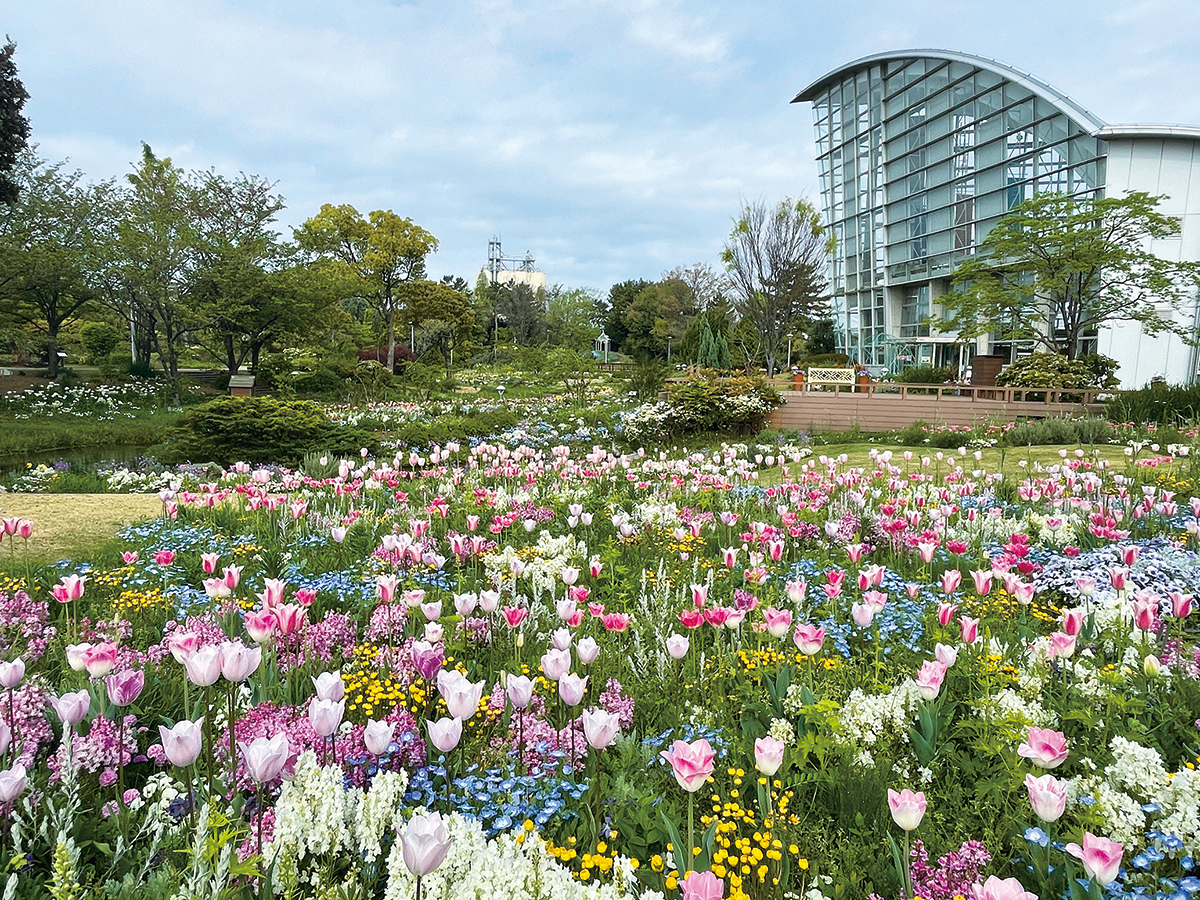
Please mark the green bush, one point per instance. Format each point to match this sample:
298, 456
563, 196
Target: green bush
1159, 405
1050, 370
100, 340
1060, 430
647, 378
825, 361
926, 375
257, 430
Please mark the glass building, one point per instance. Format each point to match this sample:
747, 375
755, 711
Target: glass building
921, 152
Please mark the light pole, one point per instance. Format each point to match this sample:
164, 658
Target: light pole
668, 348
789, 362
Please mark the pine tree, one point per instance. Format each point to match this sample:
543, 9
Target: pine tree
721, 354
14, 127
706, 358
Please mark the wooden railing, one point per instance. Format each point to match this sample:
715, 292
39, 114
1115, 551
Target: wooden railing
969, 392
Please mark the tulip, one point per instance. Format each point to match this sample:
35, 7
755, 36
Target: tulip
1047, 796
950, 580
181, 742
997, 889
1073, 620
125, 687
600, 727
691, 763
208, 562
571, 688
464, 604
329, 686
555, 664
1181, 604
514, 615
12, 783
232, 576
76, 656
1101, 858
1062, 645
779, 621
946, 613
5, 737
164, 557
565, 608
930, 678
677, 646
204, 665
425, 843
1046, 747
73, 585
519, 689
768, 755
325, 715
11, 673
796, 590
100, 659
461, 696
445, 733
808, 639
266, 757
337, 533
945, 654
862, 613
907, 808
260, 625
413, 597
489, 600
239, 662
983, 581
72, 708
570, 575
385, 587
1152, 666
434, 632
587, 650
702, 886
289, 617
1086, 585
377, 736
616, 621
216, 588
129, 557
182, 644
970, 629
427, 659
1145, 608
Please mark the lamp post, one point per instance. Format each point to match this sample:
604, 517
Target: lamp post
668, 348
789, 362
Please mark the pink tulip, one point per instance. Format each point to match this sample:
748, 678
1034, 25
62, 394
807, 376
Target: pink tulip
515, 615
377, 736
996, 889
445, 733
570, 575
72, 708
427, 659
232, 576
950, 580
125, 687
461, 695
768, 755
76, 656
600, 727
12, 783
489, 600
385, 587
289, 617
945, 654
926, 550
779, 621
164, 557
25, 529
73, 586
702, 886
862, 613
616, 621
907, 808
808, 639
413, 597
181, 742
595, 567
1181, 604
260, 625
877, 600
1101, 858
1073, 619
1145, 609
970, 629
325, 715
182, 644
1062, 645
11, 524
796, 590
208, 562
519, 689
1119, 578
555, 664
1046, 747
983, 581
1086, 585
239, 662
1047, 796
425, 843
1129, 554
266, 757
690, 763
946, 613
99, 659
930, 678
571, 688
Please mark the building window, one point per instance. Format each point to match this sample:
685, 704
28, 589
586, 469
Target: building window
914, 313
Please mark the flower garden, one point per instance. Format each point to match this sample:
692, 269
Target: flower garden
489, 670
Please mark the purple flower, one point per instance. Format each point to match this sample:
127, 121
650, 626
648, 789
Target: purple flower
125, 687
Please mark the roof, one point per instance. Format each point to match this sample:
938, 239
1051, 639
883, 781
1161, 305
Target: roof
1025, 79
1162, 132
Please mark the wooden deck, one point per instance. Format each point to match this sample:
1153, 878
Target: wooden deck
886, 407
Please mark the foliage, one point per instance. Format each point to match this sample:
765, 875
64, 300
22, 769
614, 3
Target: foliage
257, 430
14, 126
704, 403
926, 375
1058, 267
99, 339
1051, 370
1157, 404
1082, 431
647, 378
776, 257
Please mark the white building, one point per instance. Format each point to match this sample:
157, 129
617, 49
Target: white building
921, 152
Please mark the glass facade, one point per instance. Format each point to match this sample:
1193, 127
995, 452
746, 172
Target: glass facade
918, 157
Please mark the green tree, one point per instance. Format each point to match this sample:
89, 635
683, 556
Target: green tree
706, 355
523, 311
14, 127
441, 318
1058, 267
52, 236
776, 259
381, 252
612, 310
570, 318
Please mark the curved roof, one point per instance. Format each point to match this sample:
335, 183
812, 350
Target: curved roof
1162, 132
1025, 79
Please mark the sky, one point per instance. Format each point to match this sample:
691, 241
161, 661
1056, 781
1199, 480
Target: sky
610, 139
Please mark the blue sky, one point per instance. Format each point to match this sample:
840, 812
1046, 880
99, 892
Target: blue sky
612, 140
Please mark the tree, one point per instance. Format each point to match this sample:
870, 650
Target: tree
523, 311
570, 317
612, 311
441, 318
14, 127
776, 258
1058, 267
382, 252
52, 236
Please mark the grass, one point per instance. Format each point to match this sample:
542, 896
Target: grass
69, 525
21, 439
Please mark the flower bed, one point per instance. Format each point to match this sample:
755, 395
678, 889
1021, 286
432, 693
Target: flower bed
816, 678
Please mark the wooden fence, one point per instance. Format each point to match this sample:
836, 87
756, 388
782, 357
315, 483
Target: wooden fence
886, 407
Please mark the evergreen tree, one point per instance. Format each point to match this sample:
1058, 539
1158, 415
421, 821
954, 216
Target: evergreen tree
721, 354
706, 357
14, 127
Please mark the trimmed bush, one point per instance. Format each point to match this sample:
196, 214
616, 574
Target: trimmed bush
258, 430
1050, 370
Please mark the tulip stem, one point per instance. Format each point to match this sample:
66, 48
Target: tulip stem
232, 742
906, 867
691, 831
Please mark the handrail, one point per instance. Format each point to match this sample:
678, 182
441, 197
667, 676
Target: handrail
970, 392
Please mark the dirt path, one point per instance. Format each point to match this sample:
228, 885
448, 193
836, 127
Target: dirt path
66, 524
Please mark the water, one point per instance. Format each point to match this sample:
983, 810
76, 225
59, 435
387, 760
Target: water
80, 459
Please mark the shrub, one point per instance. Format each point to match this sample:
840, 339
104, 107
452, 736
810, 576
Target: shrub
1051, 370
739, 405
257, 430
825, 361
647, 378
1060, 430
99, 339
926, 375
1162, 405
